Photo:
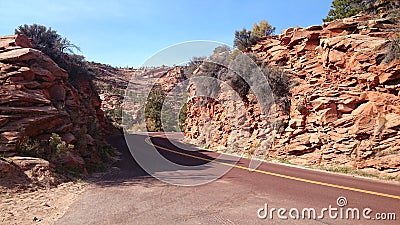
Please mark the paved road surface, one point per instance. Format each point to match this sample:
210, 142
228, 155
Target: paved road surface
130, 196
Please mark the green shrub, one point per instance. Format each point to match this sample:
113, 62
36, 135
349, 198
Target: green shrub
116, 117
221, 49
348, 170
262, 29
393, 51
278, 80
244, 38
49, 150
160, 114
182, 117
194, 63
346, 8
58, 146
279, 126
241, 77
301, 108
58, 48
153, 109
109, 88
104, 151
29, 147
209, 87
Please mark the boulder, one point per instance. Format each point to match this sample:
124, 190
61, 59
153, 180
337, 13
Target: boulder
29, 163
7, 169
57, 92
74, 163
15, 40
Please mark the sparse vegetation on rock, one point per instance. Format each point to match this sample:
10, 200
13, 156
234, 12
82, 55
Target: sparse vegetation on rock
345, 85
160, 113
153, 108
38, 98
58, 48
393, 52
262, 29
245, 38
346, 8
240, 76
220, 49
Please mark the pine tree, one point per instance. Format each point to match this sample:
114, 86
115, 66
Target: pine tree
245, 38
346, 8
262, 29
153, 109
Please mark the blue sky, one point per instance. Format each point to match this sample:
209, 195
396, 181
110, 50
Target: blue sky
126, 33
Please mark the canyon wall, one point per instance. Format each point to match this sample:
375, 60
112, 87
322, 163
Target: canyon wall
37, 100
344, 103
112, 84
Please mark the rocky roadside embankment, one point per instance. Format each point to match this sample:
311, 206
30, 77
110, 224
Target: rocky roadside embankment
344, 106
37, 101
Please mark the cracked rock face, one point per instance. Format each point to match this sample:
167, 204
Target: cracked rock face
37, 100
345, 106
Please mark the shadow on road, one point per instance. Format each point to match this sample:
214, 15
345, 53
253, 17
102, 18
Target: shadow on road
126, 171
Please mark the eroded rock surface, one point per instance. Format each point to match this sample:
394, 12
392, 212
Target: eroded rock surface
344, 106
36, 100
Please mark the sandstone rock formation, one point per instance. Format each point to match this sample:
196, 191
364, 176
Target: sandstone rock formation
112, 84
36, 100
138, 92
345, 103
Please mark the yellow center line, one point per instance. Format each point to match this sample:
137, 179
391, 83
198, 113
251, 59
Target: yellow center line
148, 141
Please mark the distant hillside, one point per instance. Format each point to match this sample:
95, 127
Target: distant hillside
111, 83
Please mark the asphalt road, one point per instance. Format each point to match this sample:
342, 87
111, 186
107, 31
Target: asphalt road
129, 195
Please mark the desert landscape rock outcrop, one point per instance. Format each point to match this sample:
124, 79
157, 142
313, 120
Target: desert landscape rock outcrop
37, 100
117, 88
344, 104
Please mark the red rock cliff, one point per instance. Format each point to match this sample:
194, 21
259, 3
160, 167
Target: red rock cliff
345, 108
37, 100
